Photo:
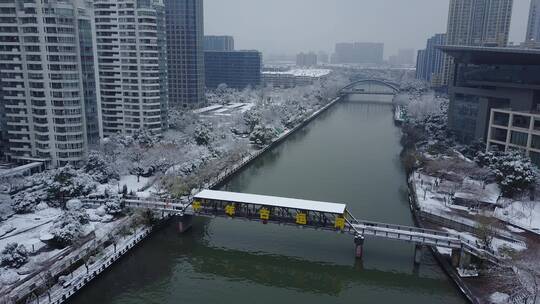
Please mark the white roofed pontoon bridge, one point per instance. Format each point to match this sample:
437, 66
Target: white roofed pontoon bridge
272, 201
300, 212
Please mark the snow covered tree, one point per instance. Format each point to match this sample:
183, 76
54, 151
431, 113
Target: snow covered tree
68, 228
181, 120
146, 138
25, 202
202, 134
485, 230
262, 135
100, 170
137, 156
486, 159
14, 255
69, 183
514, 172
79, 215
252, 118
113, 207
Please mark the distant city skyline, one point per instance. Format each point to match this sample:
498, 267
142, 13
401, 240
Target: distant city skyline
301, 27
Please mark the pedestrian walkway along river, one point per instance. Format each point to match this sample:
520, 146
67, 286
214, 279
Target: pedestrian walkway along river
349, 154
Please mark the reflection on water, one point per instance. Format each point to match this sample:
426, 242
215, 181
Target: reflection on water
350, 154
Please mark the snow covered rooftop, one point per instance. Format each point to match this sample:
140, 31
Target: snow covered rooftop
20, 170
207, 109
272, 201
302, 72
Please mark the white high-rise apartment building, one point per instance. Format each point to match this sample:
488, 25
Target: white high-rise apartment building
131, 44
47, 72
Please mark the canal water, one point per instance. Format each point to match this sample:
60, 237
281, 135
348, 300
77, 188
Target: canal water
350, 154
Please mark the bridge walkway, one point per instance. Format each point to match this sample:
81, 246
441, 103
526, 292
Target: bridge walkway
304, 213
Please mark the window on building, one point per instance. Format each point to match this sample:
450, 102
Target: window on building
499, 134
537, 124
519, 138
535, 142
501, 119
521, 121
535, 158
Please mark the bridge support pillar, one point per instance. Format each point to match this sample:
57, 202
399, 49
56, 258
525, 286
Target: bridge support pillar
359, 246
418, 253
465, 260
184, 223
460, 258
456, 257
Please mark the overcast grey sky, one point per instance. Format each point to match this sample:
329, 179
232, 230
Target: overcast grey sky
291, 26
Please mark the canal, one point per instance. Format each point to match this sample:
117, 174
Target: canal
350, 154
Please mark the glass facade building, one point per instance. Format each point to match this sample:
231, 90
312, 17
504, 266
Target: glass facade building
185, 52
236, 69
429, 64
218, 43
487, 78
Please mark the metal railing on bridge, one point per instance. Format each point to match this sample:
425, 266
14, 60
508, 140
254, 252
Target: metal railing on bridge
304, 213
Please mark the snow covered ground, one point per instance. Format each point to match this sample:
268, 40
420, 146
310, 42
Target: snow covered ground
32, 230
499, 298
435, 197
525, 214
132, 184
497, 243
26, 229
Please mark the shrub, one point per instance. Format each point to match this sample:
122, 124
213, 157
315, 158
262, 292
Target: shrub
14, 255
202, 135
68, 183
262, 135
513, 171
68, 228
25, 202
113, 207
97, 167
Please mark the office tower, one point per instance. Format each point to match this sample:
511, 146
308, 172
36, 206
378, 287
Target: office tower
369, 52
421, 64
533, 25
132, 65
359, 52
493, 78
306, 59
49, 96
236, 69
344, 53
185, 55
403, 57
431, 67
218, 43
323, 57
477, 23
